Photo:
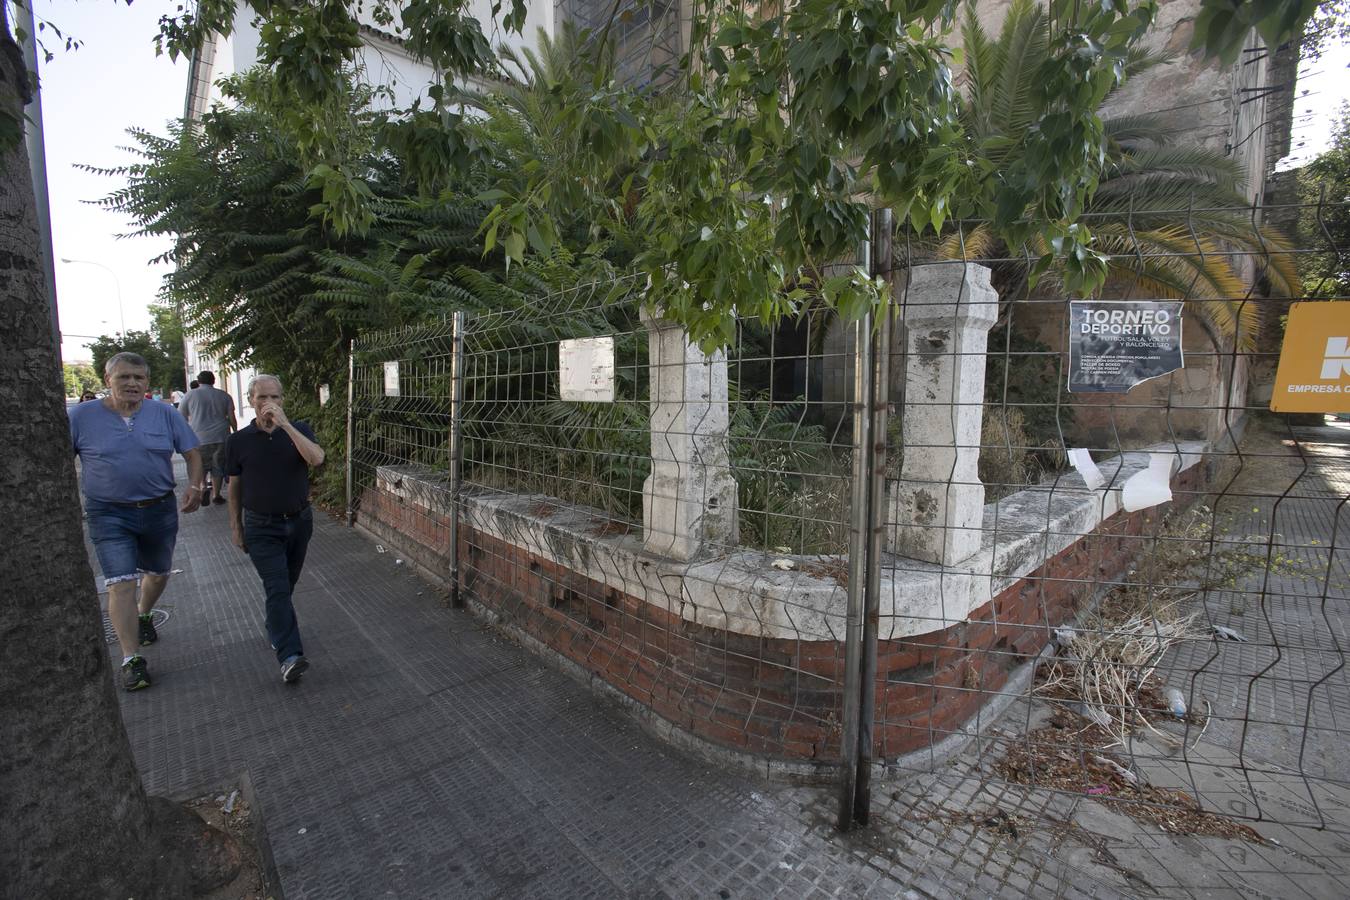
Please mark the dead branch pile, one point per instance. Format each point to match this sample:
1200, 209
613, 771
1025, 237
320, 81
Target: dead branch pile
1106, 670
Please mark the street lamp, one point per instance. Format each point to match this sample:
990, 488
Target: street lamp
116, 283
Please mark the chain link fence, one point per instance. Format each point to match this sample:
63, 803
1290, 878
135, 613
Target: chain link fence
906, 546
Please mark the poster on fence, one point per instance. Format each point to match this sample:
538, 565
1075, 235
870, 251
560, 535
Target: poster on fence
391, 379
586, 369
1116, 344
1314, 371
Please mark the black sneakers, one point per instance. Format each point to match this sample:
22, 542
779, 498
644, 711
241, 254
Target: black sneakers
148, 633
293, 668
134, 676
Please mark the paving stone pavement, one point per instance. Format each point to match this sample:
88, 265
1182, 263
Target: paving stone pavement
425, 755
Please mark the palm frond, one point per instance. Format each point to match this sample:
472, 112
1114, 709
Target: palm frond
979, 243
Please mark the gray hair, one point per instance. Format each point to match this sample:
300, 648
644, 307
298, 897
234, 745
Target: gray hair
261, 377
135, 360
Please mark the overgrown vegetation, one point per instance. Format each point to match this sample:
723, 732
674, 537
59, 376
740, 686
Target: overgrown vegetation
826, 108
1324, 189
264, 280
1106, 668
161, 346
1164, 212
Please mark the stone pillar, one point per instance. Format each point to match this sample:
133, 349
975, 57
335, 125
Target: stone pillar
689, 500
937, 507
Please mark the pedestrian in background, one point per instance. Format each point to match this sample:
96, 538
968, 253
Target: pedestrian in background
268, 463
210, 412
126, 445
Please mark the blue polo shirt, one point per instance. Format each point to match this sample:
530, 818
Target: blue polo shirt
125, 462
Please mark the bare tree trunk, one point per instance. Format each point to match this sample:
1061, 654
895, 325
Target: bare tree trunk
74, 818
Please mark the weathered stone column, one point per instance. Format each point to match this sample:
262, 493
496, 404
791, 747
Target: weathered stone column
936, 507
689, 500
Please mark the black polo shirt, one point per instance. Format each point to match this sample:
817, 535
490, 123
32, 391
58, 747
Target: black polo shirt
276, 476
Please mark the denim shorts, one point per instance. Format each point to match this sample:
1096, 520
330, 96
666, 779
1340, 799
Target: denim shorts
132, 541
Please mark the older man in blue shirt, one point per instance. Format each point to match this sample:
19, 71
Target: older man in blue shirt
126, 445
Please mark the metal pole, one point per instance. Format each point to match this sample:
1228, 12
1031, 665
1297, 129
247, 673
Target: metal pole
859, 538
351, 381
37, 162
876, 516
456, 449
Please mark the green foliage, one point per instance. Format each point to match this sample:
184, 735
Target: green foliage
164, 357
1324, 188
1222, 26
79, 378
309, 50
1164, 215
1023, 373
265, 276
760, 175
743, 184
1329, 25
792, 486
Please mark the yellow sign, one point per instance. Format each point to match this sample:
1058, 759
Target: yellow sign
1314, 373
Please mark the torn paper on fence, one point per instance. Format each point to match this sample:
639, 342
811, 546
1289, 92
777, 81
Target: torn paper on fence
1151, 486
1081, 460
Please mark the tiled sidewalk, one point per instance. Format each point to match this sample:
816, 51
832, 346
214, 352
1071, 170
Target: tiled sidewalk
425, 756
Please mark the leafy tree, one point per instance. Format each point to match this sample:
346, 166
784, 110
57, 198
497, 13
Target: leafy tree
1329, 24
1167, 214
1324, 189
265, 280
1222, 26
80, 377
824, 108
162, 348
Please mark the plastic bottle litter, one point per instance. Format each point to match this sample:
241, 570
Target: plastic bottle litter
1176, 702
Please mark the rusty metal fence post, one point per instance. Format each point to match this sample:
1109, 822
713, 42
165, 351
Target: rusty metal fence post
877, 407
859, 537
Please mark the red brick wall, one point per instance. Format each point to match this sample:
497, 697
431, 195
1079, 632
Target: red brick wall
774, 697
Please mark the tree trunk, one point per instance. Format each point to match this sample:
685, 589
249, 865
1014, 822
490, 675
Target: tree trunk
74, 818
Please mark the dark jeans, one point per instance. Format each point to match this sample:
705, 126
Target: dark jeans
277, 547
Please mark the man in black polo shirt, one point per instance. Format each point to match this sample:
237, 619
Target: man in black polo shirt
268, 462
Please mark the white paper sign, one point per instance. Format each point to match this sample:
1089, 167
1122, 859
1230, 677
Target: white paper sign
391, 378
323, 395
586, 369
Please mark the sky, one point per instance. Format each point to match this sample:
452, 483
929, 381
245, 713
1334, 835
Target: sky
1323, 85
115, 81
90, 97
